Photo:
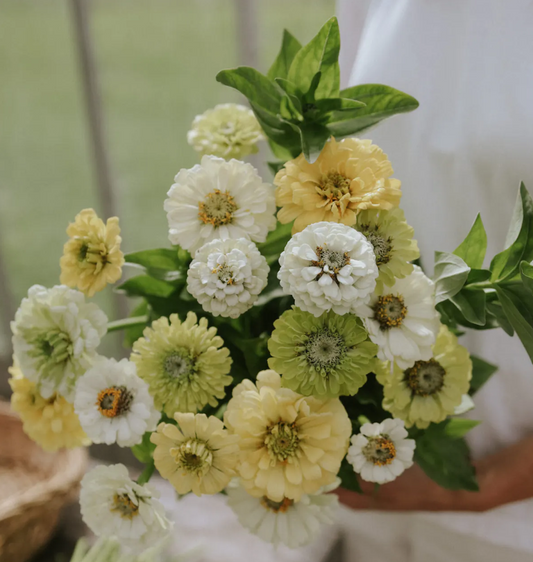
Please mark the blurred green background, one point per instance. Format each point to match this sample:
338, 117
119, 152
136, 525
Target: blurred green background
157, 61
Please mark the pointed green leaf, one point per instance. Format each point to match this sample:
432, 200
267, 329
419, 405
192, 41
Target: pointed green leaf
481, 373
496, 310
320, 54
289, 47
472, 249
451, 273
146, 286
526, 273
279, 151
313, 137
459, 427
472, 305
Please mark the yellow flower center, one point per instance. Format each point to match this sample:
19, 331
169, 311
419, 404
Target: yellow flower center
282, 441
124, 506
92, 252
333, 186
390, 311
224, 274
193, 456
330, 261
114, 401
380, 450
217, 208
277, 507
425, 378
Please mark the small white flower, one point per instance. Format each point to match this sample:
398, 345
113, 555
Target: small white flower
226, 276
219, 199
291, 523
328, 266
402, 320
229, 130
381, 452
55, 336
113, 403
114, 505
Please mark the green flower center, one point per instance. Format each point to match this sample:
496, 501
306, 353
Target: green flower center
379, 450
333, 186
217, 208
382, 246
179, 364
114, 401
282, 441
390, 311
51, 349
277, 507
425, 378
124, 506
193, 456
324, 350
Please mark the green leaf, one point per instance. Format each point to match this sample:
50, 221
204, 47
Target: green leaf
526, 274
472, 249
313, 137
276, 240
481, 373
519, 242
478, 276
451, 273
348, 477
162, 258
146, 286
496, 310
459, 427
445, 458
380, 102
279, 151
275, 167
255, 86
147, 473
472, 305
144, 450
289, 47
321, 54
279, 131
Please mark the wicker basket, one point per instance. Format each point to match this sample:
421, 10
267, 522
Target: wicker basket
34, 486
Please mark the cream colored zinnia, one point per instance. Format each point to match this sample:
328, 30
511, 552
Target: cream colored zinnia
431, 390
348, 177
50, 422
197, 455
92, 258
291, 445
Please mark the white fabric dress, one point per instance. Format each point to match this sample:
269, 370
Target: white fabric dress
464, 150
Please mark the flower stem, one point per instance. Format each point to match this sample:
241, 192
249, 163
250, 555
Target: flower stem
146, 474
127, 323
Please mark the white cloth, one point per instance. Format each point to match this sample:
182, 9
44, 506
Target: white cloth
464, 150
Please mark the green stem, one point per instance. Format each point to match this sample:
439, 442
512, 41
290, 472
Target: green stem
480, 285
127, 323
146, 474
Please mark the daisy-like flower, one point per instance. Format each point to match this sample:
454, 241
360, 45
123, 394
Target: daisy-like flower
219, 199
328, 266
381, 452
92, 257
198, 455
328, 356
226, 276
229, 130
113, 403
291, 523
114, 505
430, 390
402, 320
50, 422
183, 363
290, 445
348, 177
393, 243
55, 336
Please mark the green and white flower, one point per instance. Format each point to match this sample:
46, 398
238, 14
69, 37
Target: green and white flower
381, 451
229, 130
226, 276
55, 337
328, 356
183, 363
393, 243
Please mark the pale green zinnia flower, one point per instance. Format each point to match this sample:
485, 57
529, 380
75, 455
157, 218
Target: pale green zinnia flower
328, 356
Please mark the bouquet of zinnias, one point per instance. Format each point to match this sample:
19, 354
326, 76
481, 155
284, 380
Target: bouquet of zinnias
286, 344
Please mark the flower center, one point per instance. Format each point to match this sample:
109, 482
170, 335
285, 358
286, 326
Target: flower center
333, 186
178, 364
282, 441
193, 456
324, 350
425, 378
379, 450
124, 506
277, 507
330, 261
390, 311
114, 401
217, 208
224, 273
50, 349
382, 246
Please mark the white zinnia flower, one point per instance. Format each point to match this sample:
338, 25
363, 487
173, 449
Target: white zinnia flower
113, 403
229, 130
226, 276
402, 320
219, 199
381, 452
114, 505
55, 336
328, 266
292, 523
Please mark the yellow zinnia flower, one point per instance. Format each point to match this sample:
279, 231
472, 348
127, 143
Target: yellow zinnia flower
50, 422
92, 257
348, 176
429, 391
291, 445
